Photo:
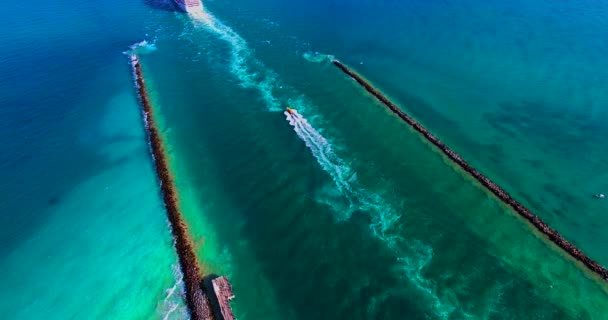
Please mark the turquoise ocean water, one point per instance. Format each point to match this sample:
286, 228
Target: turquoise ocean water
344, 213
84, 234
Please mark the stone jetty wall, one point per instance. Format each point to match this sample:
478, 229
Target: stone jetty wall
197, 302
537, 222
223, 293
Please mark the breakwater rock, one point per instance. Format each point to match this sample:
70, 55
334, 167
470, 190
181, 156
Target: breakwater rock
197, 302
501, 194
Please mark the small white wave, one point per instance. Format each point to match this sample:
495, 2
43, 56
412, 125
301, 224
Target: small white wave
340, 173
173, 305
414, 256
496, 298
317, 57
141, 48
413, 265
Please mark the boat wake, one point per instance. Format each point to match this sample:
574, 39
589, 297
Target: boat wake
265, 82
383, 217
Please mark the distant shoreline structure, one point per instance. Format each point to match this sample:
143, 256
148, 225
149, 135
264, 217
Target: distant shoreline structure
187, 5
501, 194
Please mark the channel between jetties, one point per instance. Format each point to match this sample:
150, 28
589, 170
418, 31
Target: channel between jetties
500, 193
198, 297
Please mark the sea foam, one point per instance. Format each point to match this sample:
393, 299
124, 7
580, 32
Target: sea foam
412, 256
317, 57
172, 306
141, 48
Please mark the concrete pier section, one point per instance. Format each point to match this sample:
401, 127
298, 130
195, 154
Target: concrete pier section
197, 297
501, 194
219, 291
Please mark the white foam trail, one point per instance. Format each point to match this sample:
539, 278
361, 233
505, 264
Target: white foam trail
240, 56
172, 309
413, 256
141, 48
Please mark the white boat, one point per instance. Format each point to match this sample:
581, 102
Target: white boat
188, 5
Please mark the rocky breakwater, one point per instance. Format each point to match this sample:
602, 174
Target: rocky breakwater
537, 222
197, 302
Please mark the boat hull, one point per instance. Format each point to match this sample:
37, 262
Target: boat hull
188, 5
